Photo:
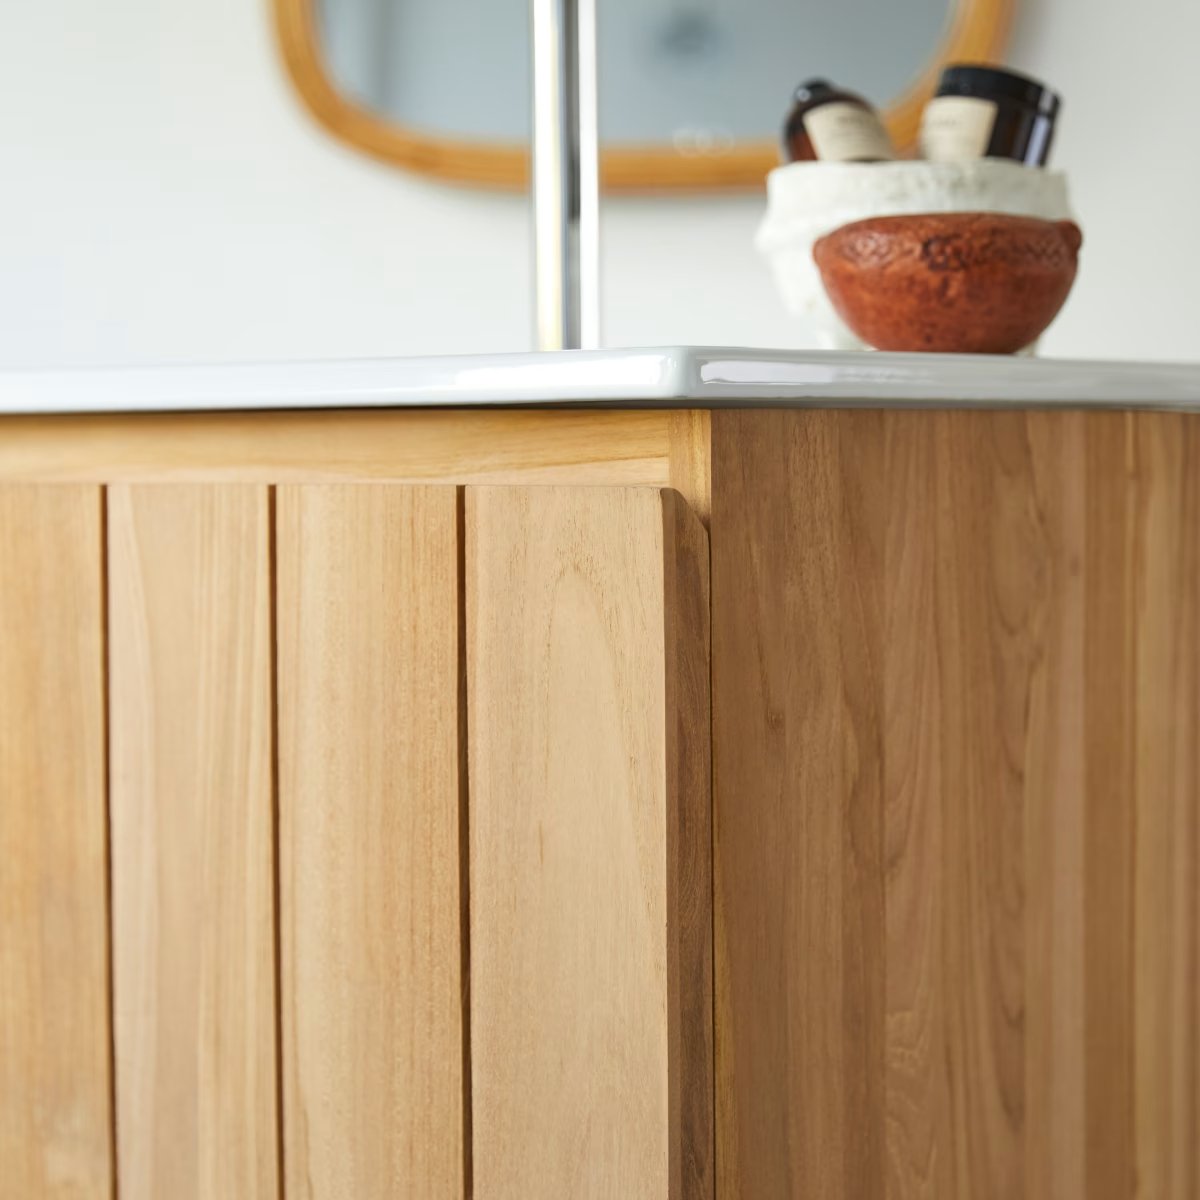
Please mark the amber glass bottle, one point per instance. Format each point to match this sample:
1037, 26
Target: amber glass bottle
832, 125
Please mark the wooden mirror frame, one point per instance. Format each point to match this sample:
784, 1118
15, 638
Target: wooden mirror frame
978, 33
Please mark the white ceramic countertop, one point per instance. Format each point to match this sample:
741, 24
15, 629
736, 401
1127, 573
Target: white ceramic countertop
676, 376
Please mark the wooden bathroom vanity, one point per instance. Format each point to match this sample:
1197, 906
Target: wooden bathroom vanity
644, 775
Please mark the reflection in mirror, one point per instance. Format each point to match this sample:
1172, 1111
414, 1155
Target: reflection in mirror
695, 75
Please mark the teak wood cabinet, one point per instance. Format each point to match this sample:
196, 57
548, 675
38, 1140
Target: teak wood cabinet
519, 805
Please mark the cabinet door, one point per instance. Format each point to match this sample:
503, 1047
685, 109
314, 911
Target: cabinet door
590, 887
409, 828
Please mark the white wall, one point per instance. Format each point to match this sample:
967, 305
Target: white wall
1131, 146
163, 197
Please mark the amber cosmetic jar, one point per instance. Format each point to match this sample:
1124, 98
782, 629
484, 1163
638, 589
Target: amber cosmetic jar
986, 112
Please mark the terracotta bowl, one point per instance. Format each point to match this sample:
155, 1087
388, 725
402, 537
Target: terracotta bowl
966, 283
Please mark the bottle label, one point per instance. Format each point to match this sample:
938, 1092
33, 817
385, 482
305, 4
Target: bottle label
957, 128
844, 132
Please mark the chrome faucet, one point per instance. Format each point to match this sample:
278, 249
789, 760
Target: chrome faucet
566, 176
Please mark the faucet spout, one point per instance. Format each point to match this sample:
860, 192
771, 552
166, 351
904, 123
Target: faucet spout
566, 177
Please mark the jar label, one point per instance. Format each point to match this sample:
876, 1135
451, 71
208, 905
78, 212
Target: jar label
844, 132
957, 128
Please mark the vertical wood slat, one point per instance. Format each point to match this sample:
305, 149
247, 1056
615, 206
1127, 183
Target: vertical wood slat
1055, 765
372, 981
192, 841
987, 578
1038, 686
974, 613
798, 903
1109, 828
1165, 899
589, 833
55, 1119
914, 830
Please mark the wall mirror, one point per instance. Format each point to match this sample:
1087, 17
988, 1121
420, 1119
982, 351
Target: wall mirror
692, 92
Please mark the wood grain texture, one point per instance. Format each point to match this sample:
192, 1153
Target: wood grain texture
1109, 822
955, 725
369, 842
688, 445
192, 841
55, 1119
589, 833
1166, 861
413, 445
982, 576
798, 901
1056, 783
688, 820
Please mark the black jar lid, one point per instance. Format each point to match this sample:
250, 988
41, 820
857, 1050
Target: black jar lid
967, 79
813, 89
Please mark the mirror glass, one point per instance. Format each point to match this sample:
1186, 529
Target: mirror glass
696, 75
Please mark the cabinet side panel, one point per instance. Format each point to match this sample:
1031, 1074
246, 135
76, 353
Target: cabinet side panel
1025, 626
55, 1121
192, 859
583, 1011
372, 985
898, 670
